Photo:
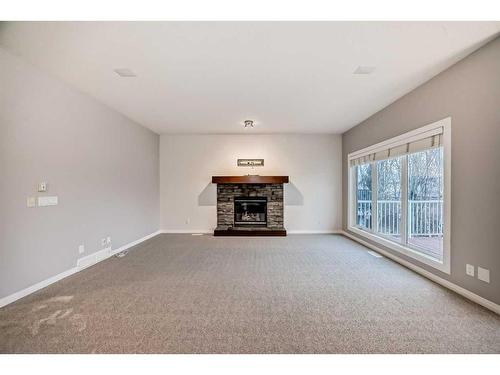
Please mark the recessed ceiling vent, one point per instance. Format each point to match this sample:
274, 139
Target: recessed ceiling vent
364, 70
124, 72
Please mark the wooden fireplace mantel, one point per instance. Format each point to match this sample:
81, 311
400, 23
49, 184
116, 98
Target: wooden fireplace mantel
250, 179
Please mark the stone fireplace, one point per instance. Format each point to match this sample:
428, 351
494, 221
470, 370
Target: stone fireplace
250, 205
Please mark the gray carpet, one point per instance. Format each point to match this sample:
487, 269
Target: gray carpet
298, 294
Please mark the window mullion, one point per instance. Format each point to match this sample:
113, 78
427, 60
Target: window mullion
404, 200
354, 197
374, 198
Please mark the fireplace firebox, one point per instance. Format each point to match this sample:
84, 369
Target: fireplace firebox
250, 211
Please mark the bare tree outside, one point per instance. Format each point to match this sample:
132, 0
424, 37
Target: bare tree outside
389, 197
364, 195
425, 200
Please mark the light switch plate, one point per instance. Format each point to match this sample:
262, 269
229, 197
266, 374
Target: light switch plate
47, 201
469, 269
31, 202
483, 274
42, 187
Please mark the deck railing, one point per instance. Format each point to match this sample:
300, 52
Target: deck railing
425, 217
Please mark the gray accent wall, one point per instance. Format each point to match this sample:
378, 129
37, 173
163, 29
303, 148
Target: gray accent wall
103, 167
469, 92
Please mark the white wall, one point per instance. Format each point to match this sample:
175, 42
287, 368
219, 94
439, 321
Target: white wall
313, 198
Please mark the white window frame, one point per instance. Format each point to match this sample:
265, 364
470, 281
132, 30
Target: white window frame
372, 235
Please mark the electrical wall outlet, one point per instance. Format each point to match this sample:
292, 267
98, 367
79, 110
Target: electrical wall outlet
31, 202
108, 241
103, 242
188, 220
81, 249
483, 274
469, 269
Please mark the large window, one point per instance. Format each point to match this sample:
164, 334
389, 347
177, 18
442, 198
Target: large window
398, 194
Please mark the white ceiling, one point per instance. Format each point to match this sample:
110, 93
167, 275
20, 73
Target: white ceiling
207, 77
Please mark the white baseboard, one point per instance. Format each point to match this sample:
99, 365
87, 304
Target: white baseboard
136, 242
490, 305
33, 288
90, 260
334, 231
82, 263
188, 231
210, 231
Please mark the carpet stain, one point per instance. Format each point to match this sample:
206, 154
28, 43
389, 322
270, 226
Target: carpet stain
78, 321
50, 320
60, 316
38, 307
64, 299
66, 313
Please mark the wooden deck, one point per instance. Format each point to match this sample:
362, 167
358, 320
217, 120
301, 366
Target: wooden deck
431, 246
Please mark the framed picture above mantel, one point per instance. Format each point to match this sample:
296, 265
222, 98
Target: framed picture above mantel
250, 162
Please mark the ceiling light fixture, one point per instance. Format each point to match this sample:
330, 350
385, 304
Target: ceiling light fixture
364, 70
124, 72
249, 124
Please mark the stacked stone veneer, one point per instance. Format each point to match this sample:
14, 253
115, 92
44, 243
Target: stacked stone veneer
225, 202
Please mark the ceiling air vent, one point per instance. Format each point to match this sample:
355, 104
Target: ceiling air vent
124, 72
364, 70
